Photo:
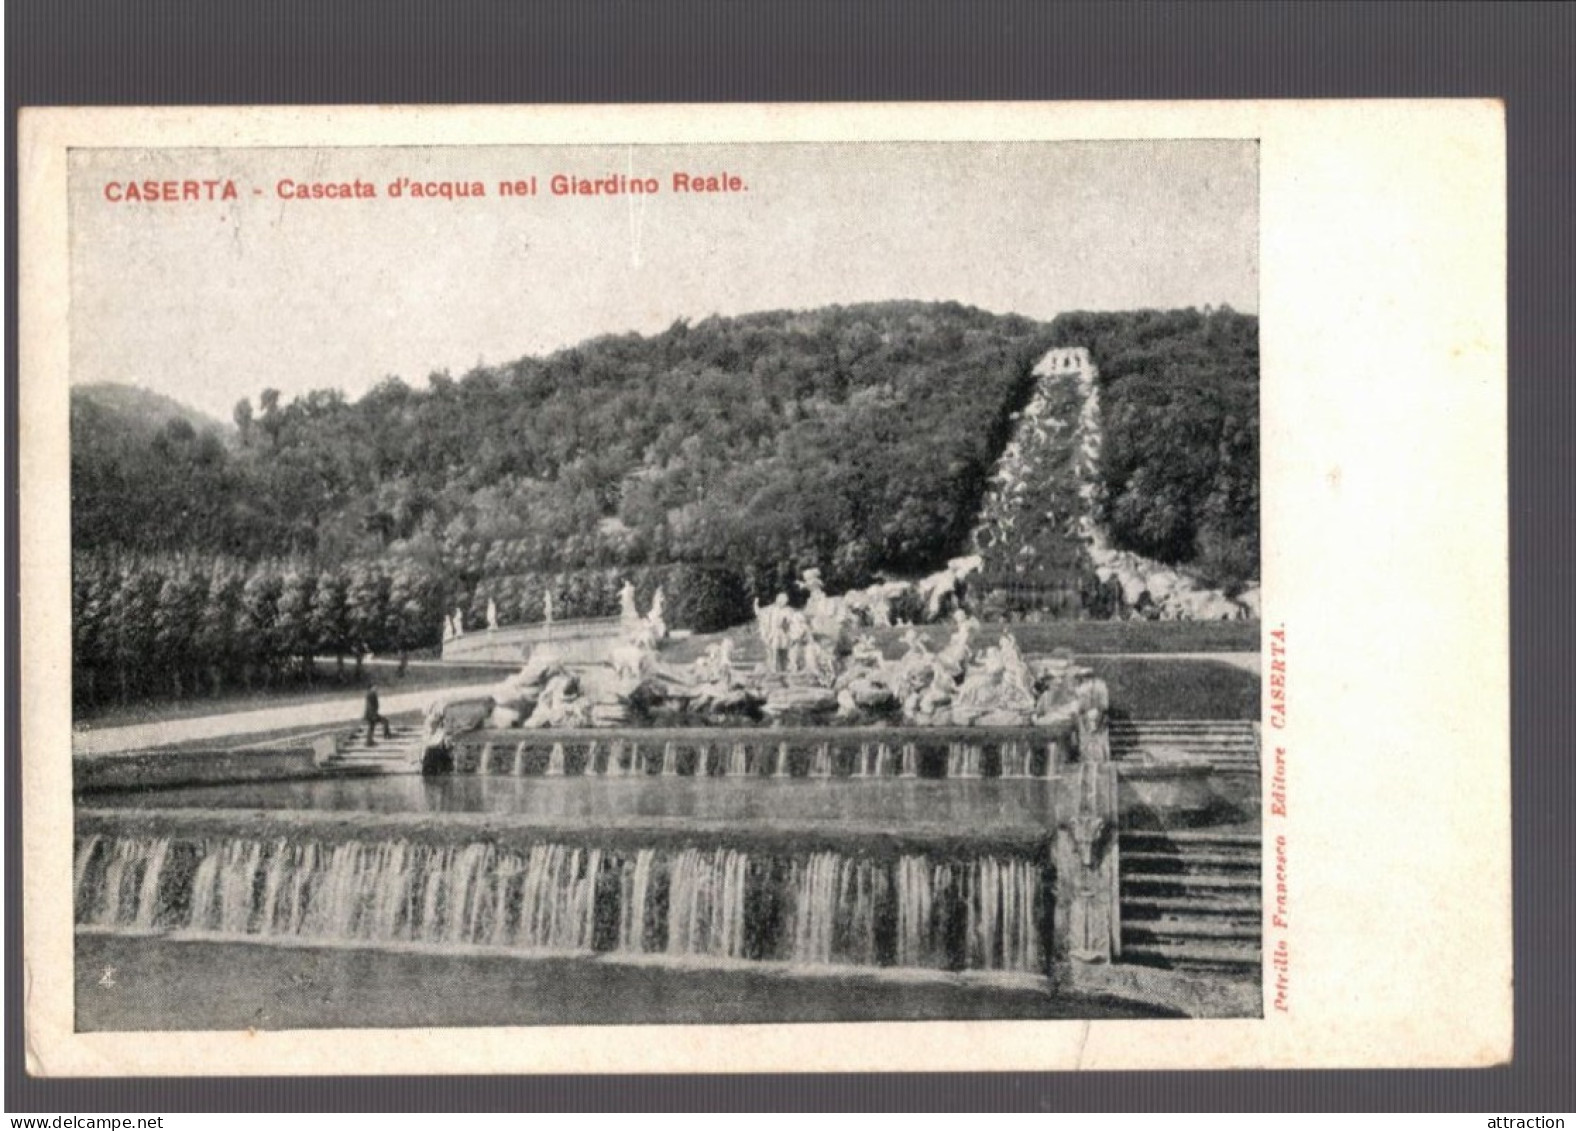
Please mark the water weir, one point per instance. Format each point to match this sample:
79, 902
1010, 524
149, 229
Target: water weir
817, 907
816, 752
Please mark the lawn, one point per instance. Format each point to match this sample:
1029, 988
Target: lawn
1177, 688
1082, 638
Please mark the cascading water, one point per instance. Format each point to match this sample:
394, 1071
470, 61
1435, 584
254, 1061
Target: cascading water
122, 854
917, 943
738, 761
555, 761
1054, 757
706, 903
781, 770
634, 892
963, 760
85, 853
862, 762
910, 760
1014, 760
519, 760
833, 916
821, 764
883, 761
670, 760
715, 903
1000, 897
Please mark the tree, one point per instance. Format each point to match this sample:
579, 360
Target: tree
261, 640
415, 609
243, 420
180, 602
367, 610
330, 617
92, 594
131, 622
297, 640
217, 642
273, 418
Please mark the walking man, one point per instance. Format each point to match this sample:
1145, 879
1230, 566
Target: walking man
372, 717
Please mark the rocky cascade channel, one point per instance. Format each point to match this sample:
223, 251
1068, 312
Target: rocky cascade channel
1037, 530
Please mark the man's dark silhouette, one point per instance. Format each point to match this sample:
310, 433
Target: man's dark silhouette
371, 716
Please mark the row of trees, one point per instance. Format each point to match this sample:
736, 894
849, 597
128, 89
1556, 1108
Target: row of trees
159, 627
181, 626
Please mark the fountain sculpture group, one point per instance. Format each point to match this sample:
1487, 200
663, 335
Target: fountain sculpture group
821, 667
824, 701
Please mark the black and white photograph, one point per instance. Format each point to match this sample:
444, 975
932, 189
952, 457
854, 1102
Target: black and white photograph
670, 590
665, 584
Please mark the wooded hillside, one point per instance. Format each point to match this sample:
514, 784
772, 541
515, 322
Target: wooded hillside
737, 451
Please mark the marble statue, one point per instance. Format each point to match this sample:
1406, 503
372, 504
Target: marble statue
770, 623
654, 618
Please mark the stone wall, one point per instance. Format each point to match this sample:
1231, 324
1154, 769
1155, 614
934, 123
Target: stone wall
575, 641
147, 769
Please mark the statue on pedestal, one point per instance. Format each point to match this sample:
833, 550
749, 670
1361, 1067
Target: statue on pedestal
957, 653
796, 636
994, 692
771, 624
1094, 705
654, 619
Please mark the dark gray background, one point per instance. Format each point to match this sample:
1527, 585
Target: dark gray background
63, 52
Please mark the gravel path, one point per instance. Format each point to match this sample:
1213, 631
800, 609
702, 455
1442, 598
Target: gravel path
342, 712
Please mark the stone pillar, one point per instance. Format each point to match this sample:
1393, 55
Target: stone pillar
1084, 855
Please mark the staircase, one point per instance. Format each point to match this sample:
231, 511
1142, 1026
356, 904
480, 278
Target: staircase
1191, 899
1229, 746
399, 753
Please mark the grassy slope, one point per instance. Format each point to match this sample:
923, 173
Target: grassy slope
1083, 638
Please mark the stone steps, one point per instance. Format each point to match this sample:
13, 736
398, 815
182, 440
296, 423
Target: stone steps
1192, 899
1138, 837
1160, 930
1241, 957
1230, 746
1180, 880
1139, 907
1163, 863
398, 752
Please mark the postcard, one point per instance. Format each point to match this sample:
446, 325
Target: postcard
764, 588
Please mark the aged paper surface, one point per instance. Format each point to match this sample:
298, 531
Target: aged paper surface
1380, 294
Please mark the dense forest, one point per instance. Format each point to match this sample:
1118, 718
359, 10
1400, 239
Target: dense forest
719, 457
1179, 406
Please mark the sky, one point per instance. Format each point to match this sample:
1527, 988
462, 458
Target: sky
210, 301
